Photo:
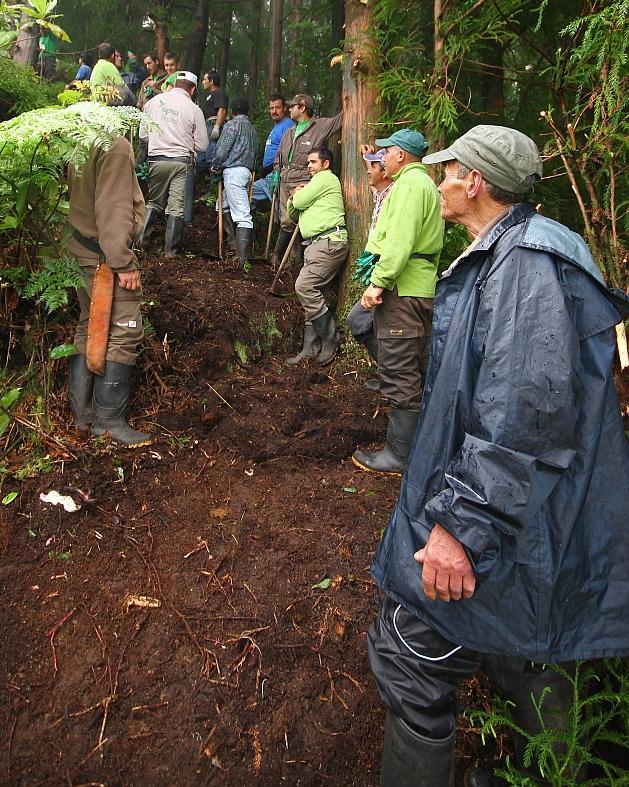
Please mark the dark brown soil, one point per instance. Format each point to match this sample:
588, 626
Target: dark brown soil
243, 672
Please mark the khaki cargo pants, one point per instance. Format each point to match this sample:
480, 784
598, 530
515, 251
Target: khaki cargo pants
322, 261
167, 185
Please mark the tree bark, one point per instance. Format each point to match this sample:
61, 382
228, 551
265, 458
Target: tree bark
361, 108
26, 47
337, 34
294, 51
492, 83
257, 22
191, 57
437, 140
275, 49
225, 46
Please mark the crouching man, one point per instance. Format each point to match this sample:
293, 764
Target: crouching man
318, 208
106, 214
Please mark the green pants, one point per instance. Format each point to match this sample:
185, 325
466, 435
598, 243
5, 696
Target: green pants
167, 186
125, 326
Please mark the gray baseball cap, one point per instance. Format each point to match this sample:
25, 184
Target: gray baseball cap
503, 156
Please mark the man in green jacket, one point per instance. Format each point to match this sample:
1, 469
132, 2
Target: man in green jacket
318, 208
407, 242
105, 71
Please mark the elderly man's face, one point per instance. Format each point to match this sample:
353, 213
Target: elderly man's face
170, 65
376, 176
277, 110
393, 160
453, 192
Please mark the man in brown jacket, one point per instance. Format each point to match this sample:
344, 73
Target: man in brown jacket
106, 215
291, 159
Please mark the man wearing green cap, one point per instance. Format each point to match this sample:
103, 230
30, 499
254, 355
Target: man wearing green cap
507, 548
406, 242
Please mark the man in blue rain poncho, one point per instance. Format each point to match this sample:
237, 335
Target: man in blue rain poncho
509, 544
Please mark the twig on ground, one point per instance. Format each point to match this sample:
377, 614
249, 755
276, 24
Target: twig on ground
51, 637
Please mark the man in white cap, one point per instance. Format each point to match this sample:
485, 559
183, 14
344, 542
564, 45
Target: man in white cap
182, 134
508, 547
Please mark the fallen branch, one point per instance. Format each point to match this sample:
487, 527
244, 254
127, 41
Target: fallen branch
51, 637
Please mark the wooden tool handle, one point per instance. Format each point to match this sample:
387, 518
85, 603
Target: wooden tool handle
99, 319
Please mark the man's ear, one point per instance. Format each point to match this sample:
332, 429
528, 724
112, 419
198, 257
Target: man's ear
325, 164
474, 184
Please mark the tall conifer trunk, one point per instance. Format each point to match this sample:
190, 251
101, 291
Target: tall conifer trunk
275, 50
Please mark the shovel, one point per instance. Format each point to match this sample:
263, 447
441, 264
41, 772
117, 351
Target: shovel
220, 219
269, 232
273, 289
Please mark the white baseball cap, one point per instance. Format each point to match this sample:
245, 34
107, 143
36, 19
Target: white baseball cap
189, 76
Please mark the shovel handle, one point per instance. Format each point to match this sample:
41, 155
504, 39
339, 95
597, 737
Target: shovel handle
284, 258
269, 232
220, 219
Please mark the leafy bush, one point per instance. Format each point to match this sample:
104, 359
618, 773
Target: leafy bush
20, 89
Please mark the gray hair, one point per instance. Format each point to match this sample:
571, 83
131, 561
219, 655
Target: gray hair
500, 196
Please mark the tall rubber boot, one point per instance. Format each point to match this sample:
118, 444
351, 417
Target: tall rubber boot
392, 459
150, 216
80, 387
230, 230
174, 235
244, 244
412, 760
311, 348
283, 239
325, 327
111, 397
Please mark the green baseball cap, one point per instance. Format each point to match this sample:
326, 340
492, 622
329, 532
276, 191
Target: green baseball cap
413, 142
503, 156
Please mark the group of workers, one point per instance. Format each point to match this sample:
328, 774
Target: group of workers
507, 546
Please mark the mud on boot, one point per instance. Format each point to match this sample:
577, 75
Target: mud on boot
244, 245
174, 236
392, 459
110, 401
325, 328
311, 347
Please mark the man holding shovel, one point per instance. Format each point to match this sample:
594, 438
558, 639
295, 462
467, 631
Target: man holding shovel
318, 208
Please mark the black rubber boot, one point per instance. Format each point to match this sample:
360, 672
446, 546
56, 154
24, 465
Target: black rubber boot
311, 348
283, 239
230, 230
392, 459
174, 235
111, 397
81, 384
330, 337
412, 760
150, 216
244, 244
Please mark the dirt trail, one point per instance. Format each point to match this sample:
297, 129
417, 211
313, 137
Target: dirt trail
241, 671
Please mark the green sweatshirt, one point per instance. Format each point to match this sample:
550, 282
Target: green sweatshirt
105, 72
319, 206
410, 221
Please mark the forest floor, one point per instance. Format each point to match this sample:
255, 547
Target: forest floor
202, 618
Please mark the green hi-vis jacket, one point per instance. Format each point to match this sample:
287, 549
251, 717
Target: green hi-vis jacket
409, 223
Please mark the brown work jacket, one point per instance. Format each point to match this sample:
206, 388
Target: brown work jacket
145, 93
313, 137
106, 205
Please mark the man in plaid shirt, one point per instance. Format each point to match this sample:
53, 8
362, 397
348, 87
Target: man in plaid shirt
359, 320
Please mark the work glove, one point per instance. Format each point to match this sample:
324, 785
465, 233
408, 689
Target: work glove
364, 267
215, 133
216, 177
274, 182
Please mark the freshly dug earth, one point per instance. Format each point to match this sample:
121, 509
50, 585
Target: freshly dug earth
202, 618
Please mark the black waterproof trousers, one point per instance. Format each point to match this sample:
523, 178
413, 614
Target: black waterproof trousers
418, 674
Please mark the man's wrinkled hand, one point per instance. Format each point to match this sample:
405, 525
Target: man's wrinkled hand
371, 297
366, 149
129, 281
446, 570
299, 188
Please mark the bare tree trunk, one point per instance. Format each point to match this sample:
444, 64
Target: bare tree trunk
361, 107
26, 47
225, 46
257, 21
275, 50
294, 52
191, 57
437, 139
337, 34
492, 83
161, 40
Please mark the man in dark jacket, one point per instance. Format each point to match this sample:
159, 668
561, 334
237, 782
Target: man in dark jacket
508, 545
291, 159
234, 161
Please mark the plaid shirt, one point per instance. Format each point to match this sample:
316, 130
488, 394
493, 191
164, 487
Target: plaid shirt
378, 198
